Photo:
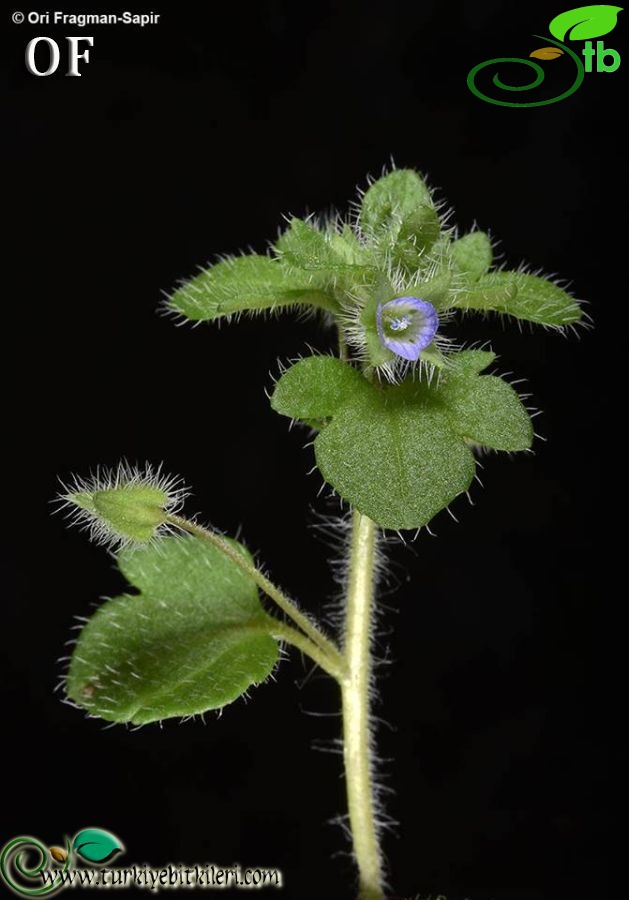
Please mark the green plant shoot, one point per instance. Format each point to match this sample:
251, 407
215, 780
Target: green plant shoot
399, 416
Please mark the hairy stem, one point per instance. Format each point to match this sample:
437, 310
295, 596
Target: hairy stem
217, 540
355, 693
343, 348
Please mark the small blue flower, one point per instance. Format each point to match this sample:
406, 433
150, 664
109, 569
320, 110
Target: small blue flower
406, 325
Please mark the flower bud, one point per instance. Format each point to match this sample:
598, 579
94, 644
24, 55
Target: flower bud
128, 505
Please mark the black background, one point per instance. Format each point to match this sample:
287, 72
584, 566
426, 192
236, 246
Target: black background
191, 138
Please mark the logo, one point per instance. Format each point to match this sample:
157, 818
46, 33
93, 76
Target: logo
581, 24
31, 869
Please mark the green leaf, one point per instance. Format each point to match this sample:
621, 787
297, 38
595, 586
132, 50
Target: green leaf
585, 22
194, 638
305, 247
470, 362
328, 259
400, 454
488, 412
523, 296
315, 387
346, 243
245, 284
437, 290
398, 215
96, 845
391, 198
472, 254
417, 233
394, 458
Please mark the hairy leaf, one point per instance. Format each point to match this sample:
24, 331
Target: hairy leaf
194, 638
330, 260
245, 284
400, 454
470, 362
488, 412
394, 196
306, 247
315, 388
523, 296
394, 458
417, 233
472, 254
437, 289
398, 215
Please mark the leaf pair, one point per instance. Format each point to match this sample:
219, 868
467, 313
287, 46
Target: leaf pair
310, 264
396, 245
194, 638
400, 454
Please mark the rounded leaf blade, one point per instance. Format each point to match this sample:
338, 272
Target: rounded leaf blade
472, 254
195, 637
395, 458
315, 387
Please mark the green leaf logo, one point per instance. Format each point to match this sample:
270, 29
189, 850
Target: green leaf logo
585, 22
96, 845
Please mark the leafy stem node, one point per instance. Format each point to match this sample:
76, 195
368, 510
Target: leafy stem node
328, 652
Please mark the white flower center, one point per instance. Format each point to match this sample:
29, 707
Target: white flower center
400, 323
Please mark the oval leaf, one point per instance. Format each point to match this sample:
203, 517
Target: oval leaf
547, 53
394, 458
96, 845
194, 638
325, 258
303, 246
585, 22
390, 199
472, 254
399, 218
